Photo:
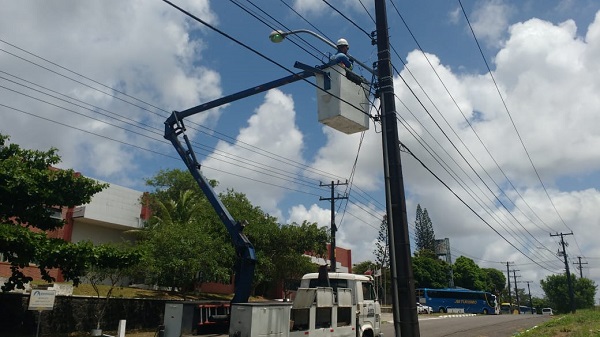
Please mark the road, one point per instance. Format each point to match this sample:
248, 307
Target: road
472, 326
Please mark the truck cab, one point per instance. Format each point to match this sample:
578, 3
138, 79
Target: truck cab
364, 299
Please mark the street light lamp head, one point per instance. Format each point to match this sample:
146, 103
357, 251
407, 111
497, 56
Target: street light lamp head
277, 36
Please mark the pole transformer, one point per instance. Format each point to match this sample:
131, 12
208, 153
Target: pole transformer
406, 321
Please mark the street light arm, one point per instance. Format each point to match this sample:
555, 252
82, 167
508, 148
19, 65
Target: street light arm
277, 36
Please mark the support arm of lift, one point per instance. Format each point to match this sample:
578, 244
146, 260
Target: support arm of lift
174, 126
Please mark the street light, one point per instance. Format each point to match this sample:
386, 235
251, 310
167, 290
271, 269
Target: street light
278, 36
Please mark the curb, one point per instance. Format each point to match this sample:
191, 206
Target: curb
457, 315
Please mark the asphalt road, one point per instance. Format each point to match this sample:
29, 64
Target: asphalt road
472, 326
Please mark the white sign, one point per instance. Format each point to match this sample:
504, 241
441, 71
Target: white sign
41, 299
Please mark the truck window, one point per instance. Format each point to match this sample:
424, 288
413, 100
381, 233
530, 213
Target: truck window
335, 284
368, 291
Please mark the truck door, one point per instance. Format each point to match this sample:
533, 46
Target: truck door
370, 309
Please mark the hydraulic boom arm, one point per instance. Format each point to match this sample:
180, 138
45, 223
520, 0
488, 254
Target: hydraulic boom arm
244, 270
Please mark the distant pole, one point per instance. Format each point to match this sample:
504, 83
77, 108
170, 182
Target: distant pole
580, 267
508, 289
406, 320
517, 291
530, 300
333, 198
569, 282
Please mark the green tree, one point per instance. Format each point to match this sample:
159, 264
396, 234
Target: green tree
30, 190
177, 245
382, 251
495, 280
287, 251
468, 275
425, 237
382, 259
109, 264
557, 292
362, 267
279, 248
429, 271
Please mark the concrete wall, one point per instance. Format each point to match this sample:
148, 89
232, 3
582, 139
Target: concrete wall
76, 314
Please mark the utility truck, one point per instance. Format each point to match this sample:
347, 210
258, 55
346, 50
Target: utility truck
326, 305
332, 305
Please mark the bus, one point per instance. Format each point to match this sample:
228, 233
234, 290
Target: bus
472, 302
526, 310
506, 308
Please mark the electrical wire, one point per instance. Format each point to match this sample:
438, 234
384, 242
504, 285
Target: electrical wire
513, 123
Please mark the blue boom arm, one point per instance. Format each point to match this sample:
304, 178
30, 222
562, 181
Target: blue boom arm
244, 269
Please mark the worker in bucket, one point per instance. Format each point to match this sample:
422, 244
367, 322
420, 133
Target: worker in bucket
341, 57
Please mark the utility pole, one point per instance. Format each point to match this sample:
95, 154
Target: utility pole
569, 282
530, 300
406, 321
580, 267
517, 291
333, 198
508, 289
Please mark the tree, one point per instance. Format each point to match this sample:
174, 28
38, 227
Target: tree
425, 237
495, 280
557, 292
468, 275
207, 250
382, 258
177, 245
429, 271
363, 267
382, 251
287, 251
30, 191
109, 264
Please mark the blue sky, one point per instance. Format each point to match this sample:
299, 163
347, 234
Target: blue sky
520, 149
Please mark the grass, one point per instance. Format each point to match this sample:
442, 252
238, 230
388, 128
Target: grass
126, 292
584, 323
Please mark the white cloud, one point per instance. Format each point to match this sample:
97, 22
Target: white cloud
548, 77
271, 129
490, 20
140, 48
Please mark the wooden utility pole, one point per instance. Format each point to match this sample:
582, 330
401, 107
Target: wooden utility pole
508, 288
517, 291
569, 282
579, 266
406, 320
333, 198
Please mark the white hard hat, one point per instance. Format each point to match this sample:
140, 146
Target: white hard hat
342, 42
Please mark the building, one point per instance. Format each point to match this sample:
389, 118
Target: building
107, 218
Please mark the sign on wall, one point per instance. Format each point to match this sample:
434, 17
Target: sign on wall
41, 299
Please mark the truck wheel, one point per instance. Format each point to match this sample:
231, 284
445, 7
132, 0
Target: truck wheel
442, 310
485, 311
367, 333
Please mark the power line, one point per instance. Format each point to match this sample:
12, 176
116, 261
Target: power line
512, 121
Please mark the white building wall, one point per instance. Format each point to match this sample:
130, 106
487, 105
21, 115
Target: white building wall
117, 205
109, 214
83, 231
